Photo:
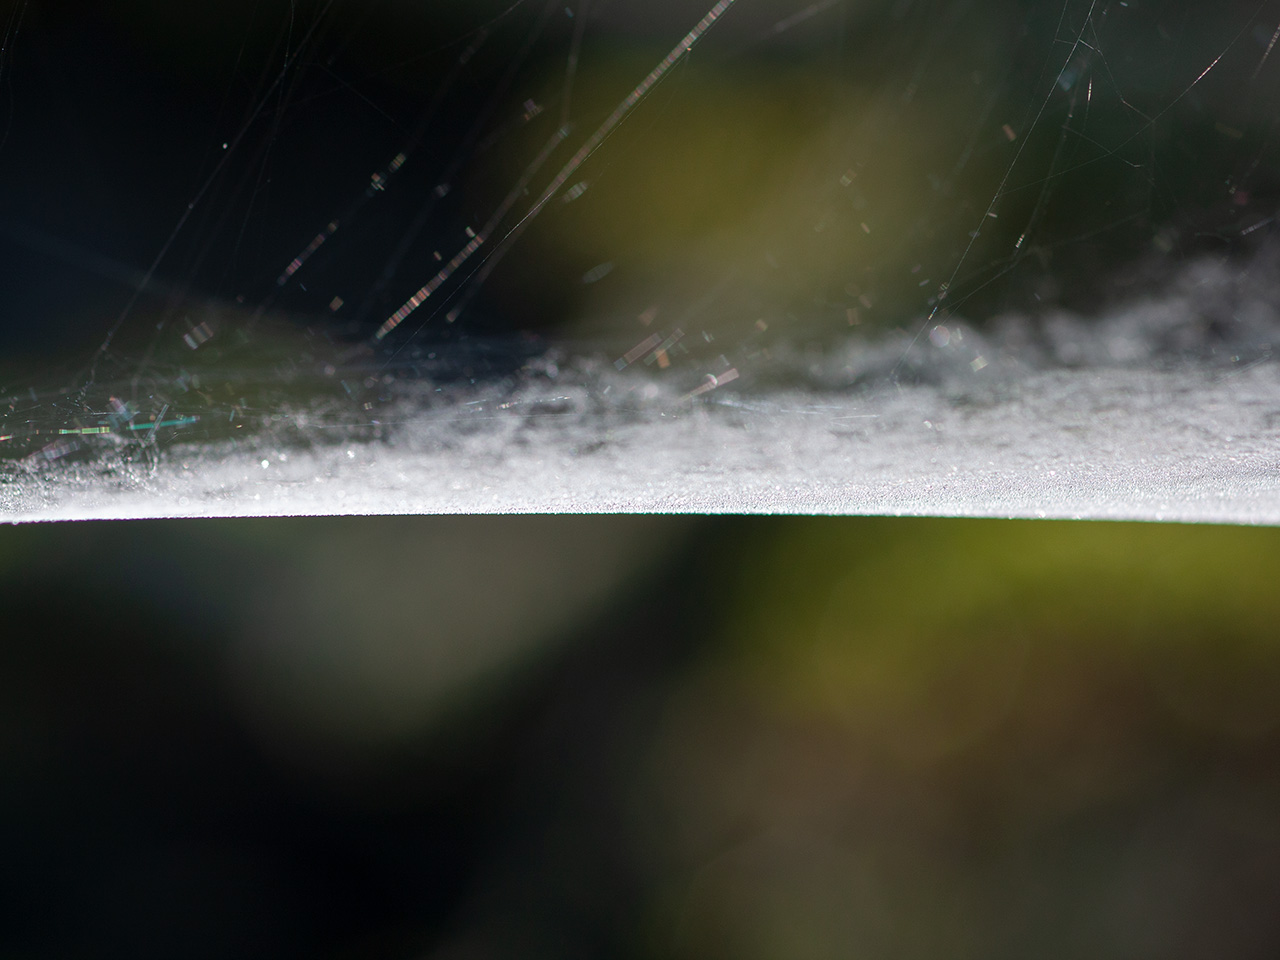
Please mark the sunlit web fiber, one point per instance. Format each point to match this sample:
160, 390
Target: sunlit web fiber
379, 179
480, 238
593, 143
462, 154
1271, 45
276, 84
1022, 146
11, 30
1002, 190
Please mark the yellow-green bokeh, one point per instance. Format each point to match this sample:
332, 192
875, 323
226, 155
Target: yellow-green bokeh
943, 619
924, 738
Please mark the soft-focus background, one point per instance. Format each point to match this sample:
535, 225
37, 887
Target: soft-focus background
604, 737
645, 737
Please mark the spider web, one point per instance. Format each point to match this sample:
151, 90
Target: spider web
468, 217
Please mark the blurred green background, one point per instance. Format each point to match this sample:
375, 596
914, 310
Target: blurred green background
647, 737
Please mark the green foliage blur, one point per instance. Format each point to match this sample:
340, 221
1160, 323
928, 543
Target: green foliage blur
935, 738
584, 737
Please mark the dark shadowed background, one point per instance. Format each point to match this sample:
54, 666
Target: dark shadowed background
805, 161
601, 737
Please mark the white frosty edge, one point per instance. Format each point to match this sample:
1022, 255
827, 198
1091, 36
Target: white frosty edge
1192, 445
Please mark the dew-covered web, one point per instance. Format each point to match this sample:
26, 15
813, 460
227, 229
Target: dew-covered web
485, 226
